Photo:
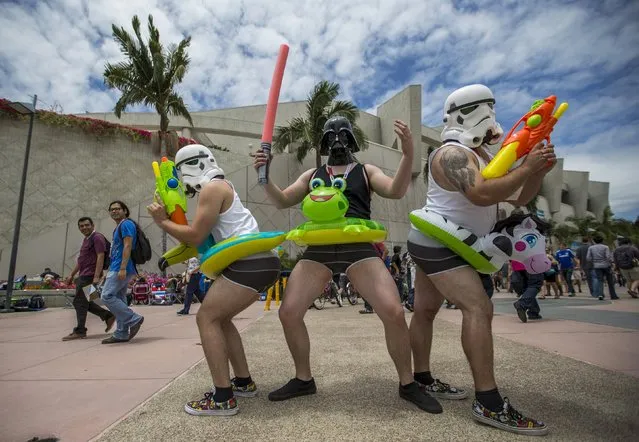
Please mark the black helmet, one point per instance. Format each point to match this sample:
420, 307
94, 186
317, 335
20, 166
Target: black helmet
336, 125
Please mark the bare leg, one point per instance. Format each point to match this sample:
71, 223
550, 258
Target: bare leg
223, 302
463, 287
428, 301
375, 283
235, 349
306, 282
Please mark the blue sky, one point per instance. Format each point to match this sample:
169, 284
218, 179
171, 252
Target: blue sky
585, 52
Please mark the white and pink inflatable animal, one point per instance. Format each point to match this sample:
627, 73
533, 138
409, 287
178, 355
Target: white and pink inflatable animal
516, 238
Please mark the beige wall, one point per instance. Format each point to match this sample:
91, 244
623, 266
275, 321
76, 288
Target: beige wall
72, 174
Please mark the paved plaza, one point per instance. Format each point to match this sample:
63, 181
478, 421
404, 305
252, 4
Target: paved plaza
578, 370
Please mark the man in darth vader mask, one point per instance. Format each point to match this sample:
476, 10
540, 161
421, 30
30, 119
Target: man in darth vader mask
359, 261
338, 142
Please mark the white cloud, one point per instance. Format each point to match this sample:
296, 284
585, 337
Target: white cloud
584, 52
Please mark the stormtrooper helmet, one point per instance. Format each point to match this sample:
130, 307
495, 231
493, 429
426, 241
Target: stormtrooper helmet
338, 141
196, 166
469, 117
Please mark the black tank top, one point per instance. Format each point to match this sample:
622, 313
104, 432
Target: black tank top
357, 190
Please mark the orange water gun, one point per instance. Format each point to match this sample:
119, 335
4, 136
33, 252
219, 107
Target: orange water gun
538, 124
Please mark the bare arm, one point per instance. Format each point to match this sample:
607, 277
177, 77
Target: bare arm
209, 207
73, 272
533, 184
395, 188
387, 187
528, 192
457, 169
292, 195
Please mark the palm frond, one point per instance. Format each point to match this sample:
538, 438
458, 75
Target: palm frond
319, 99
176, 106
303, 150
287, 135
360, 137
345, 109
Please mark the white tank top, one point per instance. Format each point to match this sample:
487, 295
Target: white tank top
454, 206
236, 220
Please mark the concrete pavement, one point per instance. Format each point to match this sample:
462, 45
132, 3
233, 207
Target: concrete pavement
579, 377
76, 389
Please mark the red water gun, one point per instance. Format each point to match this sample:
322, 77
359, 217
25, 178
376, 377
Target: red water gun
538, 124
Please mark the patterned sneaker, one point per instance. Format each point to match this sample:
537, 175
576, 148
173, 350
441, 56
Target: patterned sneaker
207, 407
441, 390
509, 419
249, 390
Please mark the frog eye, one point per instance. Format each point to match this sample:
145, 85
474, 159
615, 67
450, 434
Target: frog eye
315, 183
339, 183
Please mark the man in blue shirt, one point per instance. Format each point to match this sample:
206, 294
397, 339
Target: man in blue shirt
119, 275
566, 259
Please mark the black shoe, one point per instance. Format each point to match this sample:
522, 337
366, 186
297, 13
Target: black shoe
294, 388
520, 311
413, 393
182, 312
366, 311
135, 329
112, 340
534, 317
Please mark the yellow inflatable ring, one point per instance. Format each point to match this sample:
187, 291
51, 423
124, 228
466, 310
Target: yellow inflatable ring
344, 231
226, 252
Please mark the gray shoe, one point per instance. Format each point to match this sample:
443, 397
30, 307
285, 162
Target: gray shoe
112, 340
135, 328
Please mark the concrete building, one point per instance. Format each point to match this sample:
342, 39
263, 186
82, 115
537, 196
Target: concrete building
72, 174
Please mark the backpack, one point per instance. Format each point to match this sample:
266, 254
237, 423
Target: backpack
107, 251
36, 302
142, 252
625, 258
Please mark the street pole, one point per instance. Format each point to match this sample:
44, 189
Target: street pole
16, 229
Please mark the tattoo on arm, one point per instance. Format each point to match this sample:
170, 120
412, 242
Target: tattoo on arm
457, 170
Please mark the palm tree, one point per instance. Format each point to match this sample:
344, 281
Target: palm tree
585, 226
606, 227
564, 233
532, 205
307, 130
149, 75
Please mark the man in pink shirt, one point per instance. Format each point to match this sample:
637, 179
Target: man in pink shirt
89, 268
527, 286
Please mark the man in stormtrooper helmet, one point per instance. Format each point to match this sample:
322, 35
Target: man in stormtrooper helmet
458, 192
196, 166
220, 214
469, 117
359, 261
